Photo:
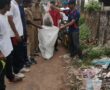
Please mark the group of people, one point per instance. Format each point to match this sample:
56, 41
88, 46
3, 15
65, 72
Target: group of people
19, 23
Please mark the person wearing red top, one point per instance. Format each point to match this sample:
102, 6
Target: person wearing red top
55, 14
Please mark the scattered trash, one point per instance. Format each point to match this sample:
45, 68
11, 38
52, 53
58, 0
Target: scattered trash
105, 62
66, 56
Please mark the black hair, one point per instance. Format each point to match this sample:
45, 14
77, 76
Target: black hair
52, 2
3, 3
27, 1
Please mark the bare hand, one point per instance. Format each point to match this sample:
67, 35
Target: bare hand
40, 27
18, 38
62, 27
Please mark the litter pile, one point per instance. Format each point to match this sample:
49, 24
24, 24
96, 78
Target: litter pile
94, 77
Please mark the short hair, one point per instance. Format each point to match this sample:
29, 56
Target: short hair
3, 3
52, 2
72, 2
27, 1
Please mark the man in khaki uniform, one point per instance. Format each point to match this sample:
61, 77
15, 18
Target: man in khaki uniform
30, 28
37, 15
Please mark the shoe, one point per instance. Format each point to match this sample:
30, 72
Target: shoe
24, 70
20, 75
28, 64
33, 61
16, 79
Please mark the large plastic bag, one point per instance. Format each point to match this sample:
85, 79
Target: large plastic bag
47, 38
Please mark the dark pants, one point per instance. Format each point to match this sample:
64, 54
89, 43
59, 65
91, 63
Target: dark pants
56, 44
25, 54
18, 58
74, 44
2, 74
9, 67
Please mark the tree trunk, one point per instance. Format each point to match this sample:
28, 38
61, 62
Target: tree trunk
82, 5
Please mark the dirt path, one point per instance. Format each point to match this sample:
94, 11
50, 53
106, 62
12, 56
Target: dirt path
46, 75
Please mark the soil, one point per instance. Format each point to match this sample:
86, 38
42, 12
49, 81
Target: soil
46, 75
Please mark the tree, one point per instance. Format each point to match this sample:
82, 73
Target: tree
82, 5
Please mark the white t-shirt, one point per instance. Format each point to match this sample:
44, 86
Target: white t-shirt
5, 40
15, 12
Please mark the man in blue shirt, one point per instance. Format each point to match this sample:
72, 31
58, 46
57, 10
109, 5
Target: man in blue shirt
27, 61
73, 20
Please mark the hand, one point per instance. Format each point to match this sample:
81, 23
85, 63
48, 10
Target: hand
41, 27
18, 38
62, 27
1, 56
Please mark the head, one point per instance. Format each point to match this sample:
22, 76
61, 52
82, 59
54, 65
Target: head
27, 3
37, 3
47, 20
52, 4
72, 4
65, 4
5, 6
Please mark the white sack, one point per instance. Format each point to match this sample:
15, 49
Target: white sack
47, 38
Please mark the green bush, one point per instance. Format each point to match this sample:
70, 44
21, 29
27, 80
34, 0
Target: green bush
84, 32
93, 54
81, 21
93, 6
107, 51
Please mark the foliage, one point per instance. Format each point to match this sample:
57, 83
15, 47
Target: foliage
82, 20
107, 51
93, 6
92, 54
96, 53
84, 32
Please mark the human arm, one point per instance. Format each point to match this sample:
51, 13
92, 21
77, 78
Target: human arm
67, 25
73, 20
10, 19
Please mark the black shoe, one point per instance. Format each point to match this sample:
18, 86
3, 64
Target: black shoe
33, 61
16, 79
28, 64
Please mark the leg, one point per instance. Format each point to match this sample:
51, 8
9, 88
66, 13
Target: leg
9, 67
76, 44
56, 45
18, 61
2, 74
71, 45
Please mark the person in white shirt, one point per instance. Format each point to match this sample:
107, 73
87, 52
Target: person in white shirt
6, 47
15, 22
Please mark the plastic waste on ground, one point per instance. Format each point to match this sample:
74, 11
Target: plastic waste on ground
105, 62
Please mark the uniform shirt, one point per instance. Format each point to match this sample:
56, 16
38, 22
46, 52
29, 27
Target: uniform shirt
74, 15
5, 40
55, 16
15, 12
29, 16
36, 11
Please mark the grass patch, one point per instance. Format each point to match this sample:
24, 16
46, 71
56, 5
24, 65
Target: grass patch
84, 32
